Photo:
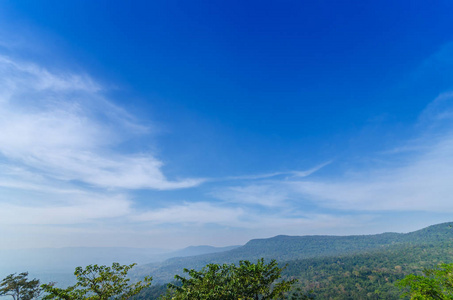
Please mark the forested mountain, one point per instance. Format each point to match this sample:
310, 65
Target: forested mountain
332, 267
292, 248
327, 267
368, 275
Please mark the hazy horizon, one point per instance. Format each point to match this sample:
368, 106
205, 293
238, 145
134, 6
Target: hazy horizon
170, 250
50, 264
172, 124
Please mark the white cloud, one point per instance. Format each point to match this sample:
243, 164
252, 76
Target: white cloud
269, 193
60, 169
304, 173
202, 216
62, 127
60, 207
193, 213
424, 183
262, 194
419, 180
32, 77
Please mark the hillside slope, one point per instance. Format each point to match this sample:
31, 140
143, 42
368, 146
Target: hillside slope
369, 275
287, 248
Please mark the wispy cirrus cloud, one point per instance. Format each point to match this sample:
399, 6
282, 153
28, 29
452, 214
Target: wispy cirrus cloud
303, 173
193, 213
77, 208
60, 167
61, 126
222, 215
261, 189
420, 181
263, 194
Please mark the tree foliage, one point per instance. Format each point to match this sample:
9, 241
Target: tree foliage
19, 287
369, 275
99, 283
436, 283
228, 281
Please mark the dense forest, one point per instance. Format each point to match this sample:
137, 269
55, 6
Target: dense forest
367, 275
291, 248
365, 267
370, 275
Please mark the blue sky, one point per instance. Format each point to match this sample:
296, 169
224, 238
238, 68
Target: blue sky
176, 123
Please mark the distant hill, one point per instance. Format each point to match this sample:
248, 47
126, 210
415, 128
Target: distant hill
68, 258
199, 250
333, 267
290, 248
365, 275
58, 264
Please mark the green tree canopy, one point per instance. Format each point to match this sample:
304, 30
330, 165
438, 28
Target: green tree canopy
435, 284
19, 287
246, 281
99, 283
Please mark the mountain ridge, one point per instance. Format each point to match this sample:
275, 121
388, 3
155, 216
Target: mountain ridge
286, 248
